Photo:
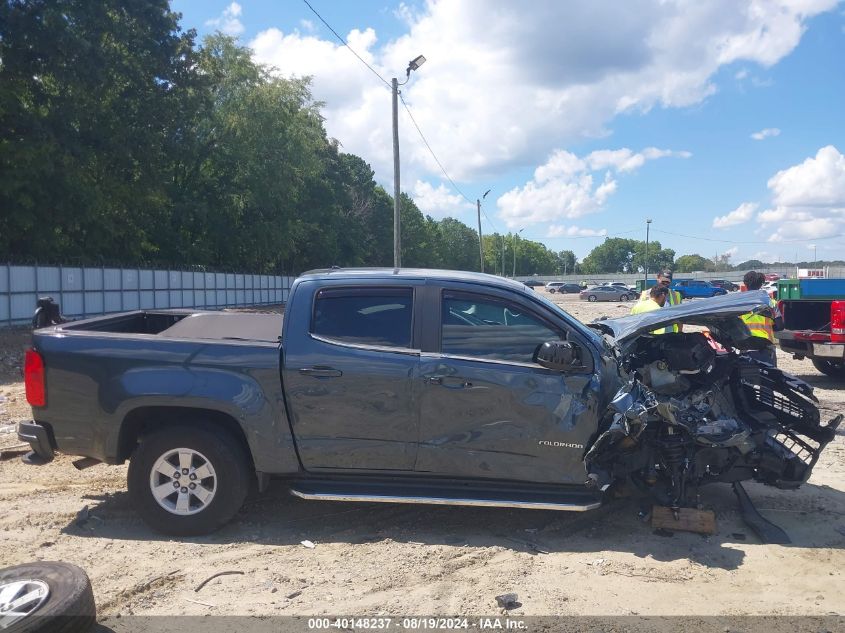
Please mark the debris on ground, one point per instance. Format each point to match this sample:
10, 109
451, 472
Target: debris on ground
508, 601
218, 574
308, 544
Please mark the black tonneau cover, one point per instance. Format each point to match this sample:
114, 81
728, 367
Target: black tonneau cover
233, 326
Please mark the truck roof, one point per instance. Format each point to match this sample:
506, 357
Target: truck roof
416, 273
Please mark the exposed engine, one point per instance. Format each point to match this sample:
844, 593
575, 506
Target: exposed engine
693, 413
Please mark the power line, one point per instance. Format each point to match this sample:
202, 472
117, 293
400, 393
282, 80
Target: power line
431, 151
343, 41
710, 239
439, 164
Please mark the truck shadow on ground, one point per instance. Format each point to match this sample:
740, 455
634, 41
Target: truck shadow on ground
277, 519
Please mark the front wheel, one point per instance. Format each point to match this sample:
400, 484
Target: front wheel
187, 481
592, 298
830, 368
624, 298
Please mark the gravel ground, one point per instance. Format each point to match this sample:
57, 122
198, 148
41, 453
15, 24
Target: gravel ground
400, 559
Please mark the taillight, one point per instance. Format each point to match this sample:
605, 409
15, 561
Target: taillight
33, 371
837, 321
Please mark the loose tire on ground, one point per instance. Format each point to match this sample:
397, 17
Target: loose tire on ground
67, 605
218, 468
830, 368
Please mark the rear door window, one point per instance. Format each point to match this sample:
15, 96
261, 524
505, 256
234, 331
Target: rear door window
365, 316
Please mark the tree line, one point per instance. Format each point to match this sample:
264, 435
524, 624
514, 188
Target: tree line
124, 140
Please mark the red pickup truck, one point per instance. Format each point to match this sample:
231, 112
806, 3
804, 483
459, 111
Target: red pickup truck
815, 329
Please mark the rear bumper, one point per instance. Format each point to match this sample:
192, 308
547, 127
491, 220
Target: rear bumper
810, 348
38, 438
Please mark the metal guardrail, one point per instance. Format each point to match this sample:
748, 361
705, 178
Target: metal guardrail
85, 291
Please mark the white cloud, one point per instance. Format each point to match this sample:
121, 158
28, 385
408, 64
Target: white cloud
743, 213
503, 85
808, 199
229, 21
765, 133
439, 202
567, 186
307, 26
731, 252
559, 230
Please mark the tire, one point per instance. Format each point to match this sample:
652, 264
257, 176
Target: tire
551, 291
830, 368
220, 463
592, 298
67, 607
624, 298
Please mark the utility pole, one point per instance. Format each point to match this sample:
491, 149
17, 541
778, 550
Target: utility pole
397, 224
515, 236
647, 227
480, 239
503, 254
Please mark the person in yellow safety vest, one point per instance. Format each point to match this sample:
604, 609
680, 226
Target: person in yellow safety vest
657, 297
762, 326
673, 297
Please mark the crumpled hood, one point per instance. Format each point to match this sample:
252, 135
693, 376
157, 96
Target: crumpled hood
720, 315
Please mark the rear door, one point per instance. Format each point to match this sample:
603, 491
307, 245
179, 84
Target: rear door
487, 410
350, 368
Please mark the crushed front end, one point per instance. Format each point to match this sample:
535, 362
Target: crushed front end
694, 410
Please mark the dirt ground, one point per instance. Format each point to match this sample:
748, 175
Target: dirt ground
400, 559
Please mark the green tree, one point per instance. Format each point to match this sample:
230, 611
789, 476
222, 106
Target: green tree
693, 263
93, 98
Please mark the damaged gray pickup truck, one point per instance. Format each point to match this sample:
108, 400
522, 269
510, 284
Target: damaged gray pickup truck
418, 386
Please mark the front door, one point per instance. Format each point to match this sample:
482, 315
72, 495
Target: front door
350, 380
488, 410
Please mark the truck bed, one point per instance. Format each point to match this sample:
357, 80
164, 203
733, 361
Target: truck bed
183, 324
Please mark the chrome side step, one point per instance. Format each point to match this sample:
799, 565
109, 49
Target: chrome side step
445, 501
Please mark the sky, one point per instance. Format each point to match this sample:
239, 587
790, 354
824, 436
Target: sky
720, 121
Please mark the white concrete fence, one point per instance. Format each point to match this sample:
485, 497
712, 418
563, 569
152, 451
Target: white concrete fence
85, 292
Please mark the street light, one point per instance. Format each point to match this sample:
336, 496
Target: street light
414, 64
647, 227
815, 258
515, 235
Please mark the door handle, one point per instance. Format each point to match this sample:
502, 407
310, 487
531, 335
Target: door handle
449, 381
321, 372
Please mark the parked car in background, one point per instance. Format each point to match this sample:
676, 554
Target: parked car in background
533, 283
696, 288
563, 287
620, 284
771, 287
771, 276
724, 283
607, 293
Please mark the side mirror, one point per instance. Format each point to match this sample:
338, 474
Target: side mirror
561, 356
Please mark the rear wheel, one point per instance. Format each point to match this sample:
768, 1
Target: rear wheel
592, 298
186, 480
624, 298
830, 368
